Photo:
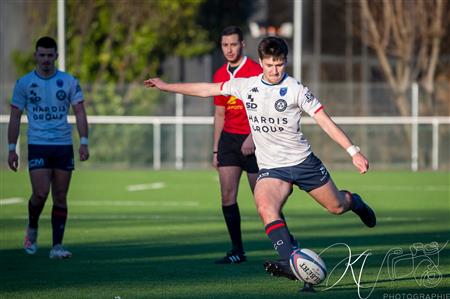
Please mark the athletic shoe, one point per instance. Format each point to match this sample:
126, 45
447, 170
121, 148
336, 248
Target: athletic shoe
364, 212
280, 268
58, 252
232, 257
30, 243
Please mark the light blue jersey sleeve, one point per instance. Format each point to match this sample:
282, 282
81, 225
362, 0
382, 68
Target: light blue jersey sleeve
19, 98
76, 94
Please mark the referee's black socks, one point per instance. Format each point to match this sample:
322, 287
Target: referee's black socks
233, 220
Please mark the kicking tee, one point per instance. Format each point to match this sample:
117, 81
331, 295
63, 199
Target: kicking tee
47, 101
274, 114
235, 120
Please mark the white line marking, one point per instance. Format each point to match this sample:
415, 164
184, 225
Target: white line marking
11, 201
134, 203
407, 188
141, 217
141, 187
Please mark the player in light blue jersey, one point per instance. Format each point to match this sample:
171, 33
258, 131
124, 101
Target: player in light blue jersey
274, 103
47, 95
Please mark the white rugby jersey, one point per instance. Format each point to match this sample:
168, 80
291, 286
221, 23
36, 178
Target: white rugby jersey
47, 101
274, 113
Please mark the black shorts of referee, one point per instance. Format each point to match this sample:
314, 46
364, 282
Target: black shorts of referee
229, 153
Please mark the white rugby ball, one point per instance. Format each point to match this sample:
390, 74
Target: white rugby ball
308, 266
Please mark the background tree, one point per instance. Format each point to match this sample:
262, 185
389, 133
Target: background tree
406, 36
113, 45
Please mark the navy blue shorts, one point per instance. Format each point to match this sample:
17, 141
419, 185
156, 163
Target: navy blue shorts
308, 175
229, 153
50, 157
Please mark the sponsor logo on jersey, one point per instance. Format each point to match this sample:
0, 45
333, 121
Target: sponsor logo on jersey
251, 105
283, 91
34, 98
33, 85
61, 95
60, 83
254, 89
309, 96
231, 101
233, 104
280, 105
49, 113
78, 88
264, 124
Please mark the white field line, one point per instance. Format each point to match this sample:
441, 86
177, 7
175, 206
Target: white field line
184, 218
134, 203
10, 201
142, 217
406, 188
150, 186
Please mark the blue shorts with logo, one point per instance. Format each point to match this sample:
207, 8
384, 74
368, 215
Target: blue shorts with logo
50, 157
308, 175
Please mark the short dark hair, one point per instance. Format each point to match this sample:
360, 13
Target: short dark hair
46, 42
273, 46
232, 30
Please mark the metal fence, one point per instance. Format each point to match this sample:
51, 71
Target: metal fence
403, 143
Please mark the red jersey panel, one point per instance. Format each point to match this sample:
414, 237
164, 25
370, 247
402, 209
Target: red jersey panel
236, 121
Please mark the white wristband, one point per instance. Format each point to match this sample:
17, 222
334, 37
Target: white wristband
12, 147
353, 150
84, 141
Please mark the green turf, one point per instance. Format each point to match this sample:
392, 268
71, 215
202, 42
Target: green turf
161, 243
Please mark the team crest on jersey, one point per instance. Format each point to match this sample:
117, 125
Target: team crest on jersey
309, 96
280, 105
283, 91
61, 95
60, 83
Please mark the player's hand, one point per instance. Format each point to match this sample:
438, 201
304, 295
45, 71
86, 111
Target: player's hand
84, 152
215, 162
13, 160
248, 147
361, 163
154, 83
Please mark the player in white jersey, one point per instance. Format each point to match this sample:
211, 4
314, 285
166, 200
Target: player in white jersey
274, 103
47, 94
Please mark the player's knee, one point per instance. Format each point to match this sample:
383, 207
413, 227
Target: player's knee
40, 196
266, 211
60, 198
228, 197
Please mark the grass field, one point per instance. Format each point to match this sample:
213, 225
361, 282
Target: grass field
145, 234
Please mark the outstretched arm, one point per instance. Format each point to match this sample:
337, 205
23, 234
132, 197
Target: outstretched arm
336, 133
192, 89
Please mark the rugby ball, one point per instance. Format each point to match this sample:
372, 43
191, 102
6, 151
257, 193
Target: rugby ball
308, 266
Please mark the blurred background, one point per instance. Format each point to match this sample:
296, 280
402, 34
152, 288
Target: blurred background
381, 68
